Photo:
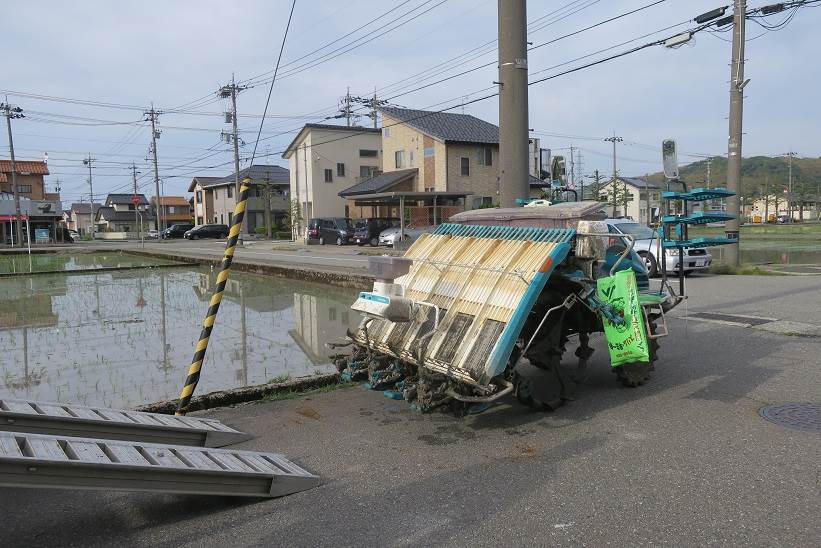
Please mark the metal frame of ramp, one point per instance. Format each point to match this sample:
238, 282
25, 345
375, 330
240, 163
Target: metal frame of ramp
41, 461
68, 419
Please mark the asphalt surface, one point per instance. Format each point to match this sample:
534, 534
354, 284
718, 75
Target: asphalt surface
685, 460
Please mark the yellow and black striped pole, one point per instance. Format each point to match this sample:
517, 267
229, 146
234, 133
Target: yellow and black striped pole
216, 298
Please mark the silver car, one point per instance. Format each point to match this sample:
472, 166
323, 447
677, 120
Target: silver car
648, 246
390, 236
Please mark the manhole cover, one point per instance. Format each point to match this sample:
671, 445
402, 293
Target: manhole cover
801, 416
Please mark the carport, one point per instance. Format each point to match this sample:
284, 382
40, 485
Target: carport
441, 204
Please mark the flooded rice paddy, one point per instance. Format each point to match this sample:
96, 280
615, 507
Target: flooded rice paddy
51, 262
126, 338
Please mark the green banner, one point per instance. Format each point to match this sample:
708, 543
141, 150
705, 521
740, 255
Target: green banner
627, 341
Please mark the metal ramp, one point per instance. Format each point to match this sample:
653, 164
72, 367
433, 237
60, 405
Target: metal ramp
41, 461
68, 419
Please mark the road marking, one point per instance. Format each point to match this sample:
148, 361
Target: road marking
739, 320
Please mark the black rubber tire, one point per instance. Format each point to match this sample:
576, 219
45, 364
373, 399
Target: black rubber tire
321, 240
651, 264
636, 374
523, 392
374, 242
340, 241
195, 237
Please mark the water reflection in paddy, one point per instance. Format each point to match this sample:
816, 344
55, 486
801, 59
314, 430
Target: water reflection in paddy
124, 338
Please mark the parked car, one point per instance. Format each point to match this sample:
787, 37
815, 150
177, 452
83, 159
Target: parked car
177, 230
339, 230
648, 246
367, 230
152, 234
391, 236
206, 231
75, 236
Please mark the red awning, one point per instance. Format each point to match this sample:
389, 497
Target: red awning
13, 217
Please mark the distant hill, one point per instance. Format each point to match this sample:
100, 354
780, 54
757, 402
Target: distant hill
756, 172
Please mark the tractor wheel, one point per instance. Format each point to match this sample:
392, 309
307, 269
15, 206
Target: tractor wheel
528, 394
637, 373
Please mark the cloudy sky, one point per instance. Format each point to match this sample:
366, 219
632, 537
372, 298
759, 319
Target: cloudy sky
103, 62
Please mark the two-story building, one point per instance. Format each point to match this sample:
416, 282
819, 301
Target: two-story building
635, 193
80, 217
324, 160
215, 197
120, 214
171, 209
434, 164
30, 179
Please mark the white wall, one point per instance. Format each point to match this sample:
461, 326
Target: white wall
308, 165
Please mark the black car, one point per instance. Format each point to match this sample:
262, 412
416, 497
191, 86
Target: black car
207, 231
338, 230
176, 230
367, 230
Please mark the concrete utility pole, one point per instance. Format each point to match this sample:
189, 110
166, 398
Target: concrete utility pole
572, 168
152, 117
790, 155
137, 223
737, 84
513, 108
580, 170
88, 162
268, 228
14, 112
614, 139
231, 90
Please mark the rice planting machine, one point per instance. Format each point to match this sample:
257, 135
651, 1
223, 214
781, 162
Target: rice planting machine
485, 306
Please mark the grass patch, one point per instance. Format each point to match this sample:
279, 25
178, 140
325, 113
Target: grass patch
293, 394
279, 378
743, 270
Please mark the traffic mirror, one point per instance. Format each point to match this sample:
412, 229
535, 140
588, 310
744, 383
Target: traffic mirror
670, 158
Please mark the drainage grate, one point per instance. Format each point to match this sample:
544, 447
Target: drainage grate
801, 416
731, 318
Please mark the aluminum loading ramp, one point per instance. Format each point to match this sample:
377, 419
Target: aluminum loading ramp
35, 460
68, 419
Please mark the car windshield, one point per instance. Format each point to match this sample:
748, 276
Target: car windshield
362, 223
641, 232
344, 223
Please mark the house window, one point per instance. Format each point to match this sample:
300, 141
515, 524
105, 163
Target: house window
216, 194
430, 151
221, 218
329, 176
465, 167
331, 314
199, 196
485, 156
410, 158
340, 170
230, 218
24, 189
366, 172
386, 132
231, 191
367, 153
172, 210
399, 159
482, 201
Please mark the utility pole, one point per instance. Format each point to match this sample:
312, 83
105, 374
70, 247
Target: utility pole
572, 168
580, 170
230, 91
268, 228
513, 108
14, 112
614, 139
371, 102
152, 117
790, 155
737, 84
88, 162
137, 223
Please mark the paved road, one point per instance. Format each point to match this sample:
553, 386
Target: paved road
685, 460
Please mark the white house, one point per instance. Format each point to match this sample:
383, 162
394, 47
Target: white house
637, 195
326, 159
